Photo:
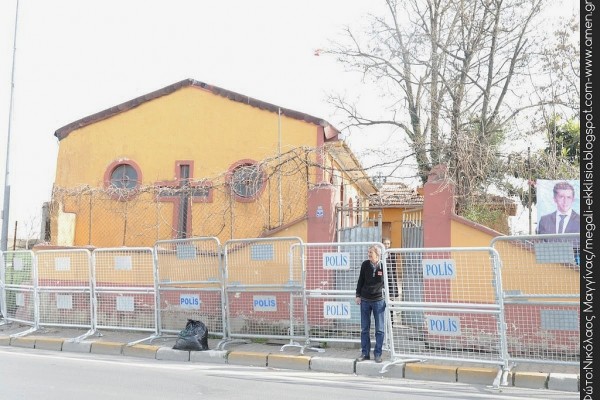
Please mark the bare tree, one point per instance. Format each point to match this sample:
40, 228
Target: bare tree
556, 89
453, 71
560, 59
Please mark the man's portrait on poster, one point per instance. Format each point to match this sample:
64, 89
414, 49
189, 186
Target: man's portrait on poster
562, 198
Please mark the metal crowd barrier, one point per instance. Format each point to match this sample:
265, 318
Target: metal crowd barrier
541, 288
190, 284
2, 290
20, 290
125, 290
332, 271
64, 289
517, 300
264, 291
457, 308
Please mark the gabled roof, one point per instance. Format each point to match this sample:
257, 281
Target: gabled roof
61, 133
396, 195
343, 155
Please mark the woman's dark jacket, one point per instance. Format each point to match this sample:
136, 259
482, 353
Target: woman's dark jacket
370, 282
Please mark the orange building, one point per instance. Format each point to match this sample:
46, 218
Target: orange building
400, 206
192, 159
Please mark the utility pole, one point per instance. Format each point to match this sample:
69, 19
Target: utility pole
529, 202
6, 206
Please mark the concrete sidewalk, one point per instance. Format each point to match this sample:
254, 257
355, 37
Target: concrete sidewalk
337, 358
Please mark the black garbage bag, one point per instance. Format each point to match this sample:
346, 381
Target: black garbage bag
193, 337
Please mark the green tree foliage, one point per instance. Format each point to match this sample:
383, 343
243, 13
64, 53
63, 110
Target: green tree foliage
564, 141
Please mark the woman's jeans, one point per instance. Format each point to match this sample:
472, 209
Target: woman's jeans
378, 310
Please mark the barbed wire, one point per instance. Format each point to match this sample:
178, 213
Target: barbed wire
209, 206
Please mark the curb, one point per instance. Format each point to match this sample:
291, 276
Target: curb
532, 380
209, 356
49, 344
441, 373
563, 382
329, 364
165, 353
27, 342
108, 348
285, 361
249, 358
371, 368
141, 351
77, 347
480, 376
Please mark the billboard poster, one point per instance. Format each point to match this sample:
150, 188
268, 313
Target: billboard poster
557, 206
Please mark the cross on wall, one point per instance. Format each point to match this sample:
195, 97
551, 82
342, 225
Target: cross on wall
182, 192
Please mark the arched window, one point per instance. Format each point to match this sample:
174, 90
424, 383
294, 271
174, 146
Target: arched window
124, 176
246, 180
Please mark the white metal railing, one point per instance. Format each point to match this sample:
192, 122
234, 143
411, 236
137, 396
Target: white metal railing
541, 290
517, 300
456, 310
189, 284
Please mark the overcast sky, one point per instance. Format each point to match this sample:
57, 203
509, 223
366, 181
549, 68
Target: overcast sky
77, 57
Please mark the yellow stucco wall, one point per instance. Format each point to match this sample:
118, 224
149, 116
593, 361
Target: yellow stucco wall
520, 270
188, 124
467, 236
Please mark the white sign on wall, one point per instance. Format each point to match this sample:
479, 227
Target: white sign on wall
336, 310
443, 325
265, 303
62, 264
123, 263
339, 261
125, 303
189, 301
439, 269
320, 213
64, 301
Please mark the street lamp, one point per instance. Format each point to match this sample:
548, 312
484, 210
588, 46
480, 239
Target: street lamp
6, 206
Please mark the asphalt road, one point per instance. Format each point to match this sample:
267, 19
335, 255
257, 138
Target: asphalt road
38, 374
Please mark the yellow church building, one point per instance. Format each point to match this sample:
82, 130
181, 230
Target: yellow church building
192, 159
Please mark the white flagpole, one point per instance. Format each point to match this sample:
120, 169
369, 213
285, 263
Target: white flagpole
6, 207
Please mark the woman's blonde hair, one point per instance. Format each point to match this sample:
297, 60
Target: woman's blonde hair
376, 249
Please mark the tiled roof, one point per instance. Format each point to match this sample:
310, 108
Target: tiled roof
396, 195
61, 133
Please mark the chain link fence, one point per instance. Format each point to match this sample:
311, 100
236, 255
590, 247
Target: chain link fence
214, 206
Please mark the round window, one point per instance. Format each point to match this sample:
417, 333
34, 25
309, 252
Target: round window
124, 176
247, 180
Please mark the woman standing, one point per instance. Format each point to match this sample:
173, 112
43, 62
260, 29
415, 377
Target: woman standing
369, 295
